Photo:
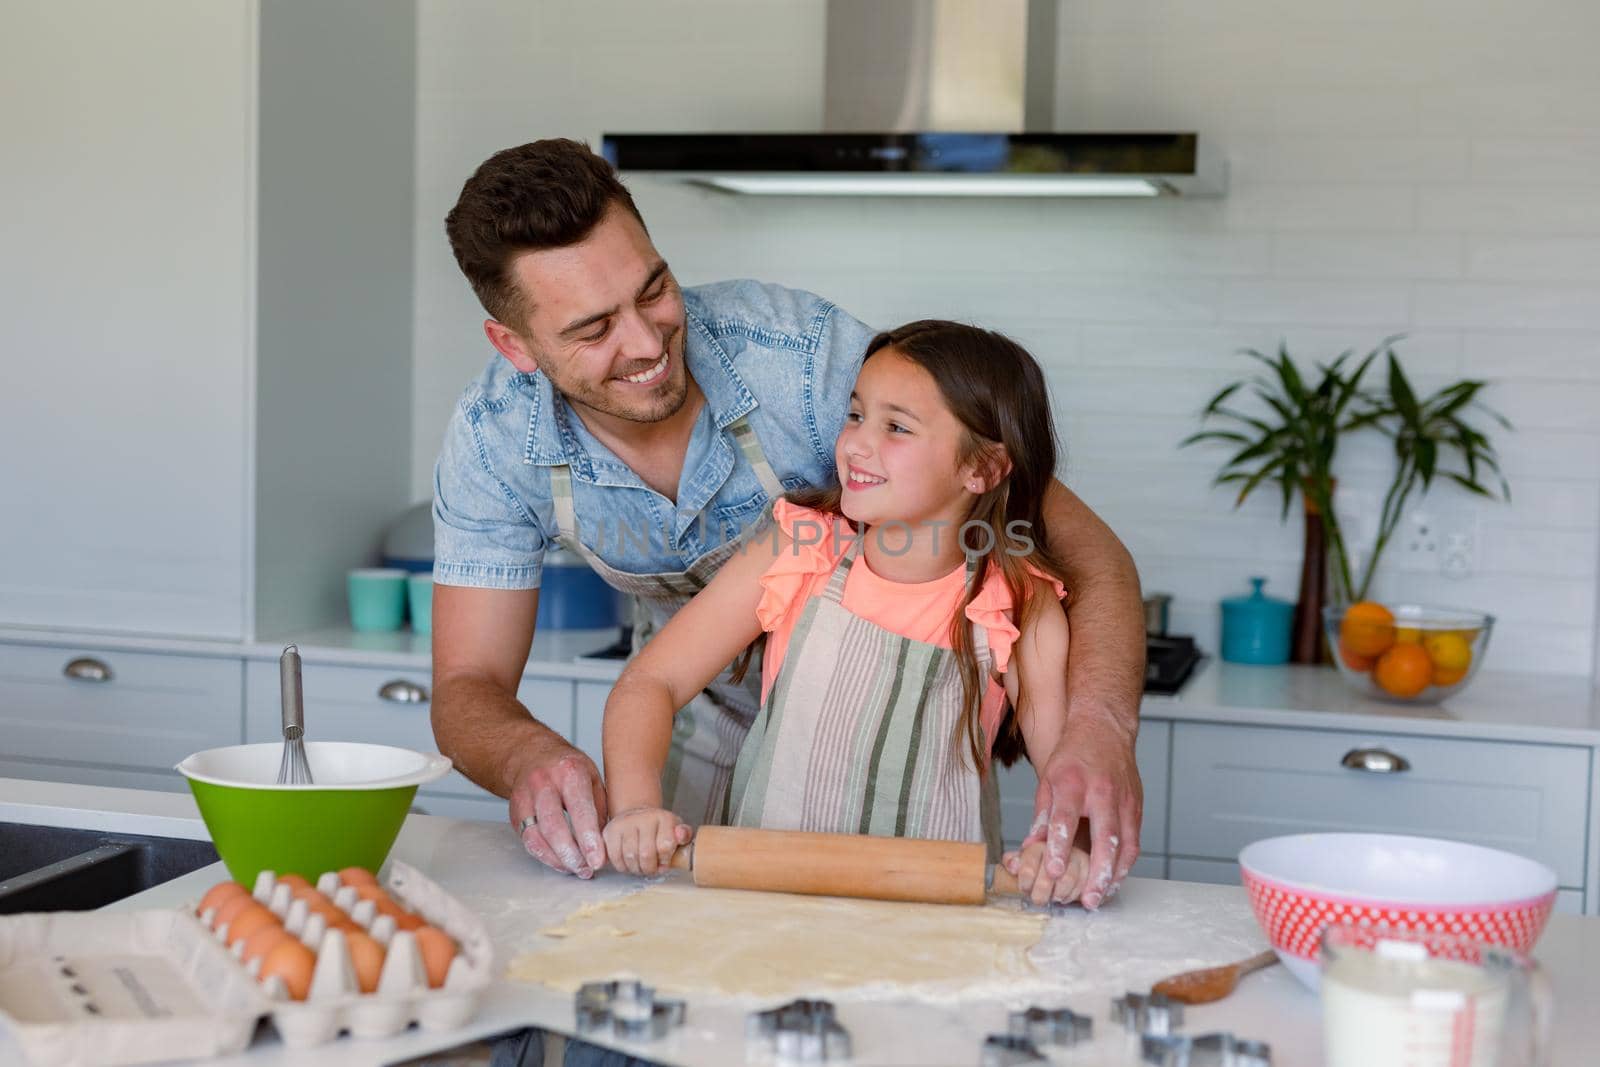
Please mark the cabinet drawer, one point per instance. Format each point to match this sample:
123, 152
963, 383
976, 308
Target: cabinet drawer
148, 712
349, 704
1018, 783
1232, 785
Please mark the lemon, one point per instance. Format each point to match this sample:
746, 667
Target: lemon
1449, 651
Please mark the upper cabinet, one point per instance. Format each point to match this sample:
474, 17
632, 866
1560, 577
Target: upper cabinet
205, 308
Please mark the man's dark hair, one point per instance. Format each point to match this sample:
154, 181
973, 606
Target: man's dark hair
547, 194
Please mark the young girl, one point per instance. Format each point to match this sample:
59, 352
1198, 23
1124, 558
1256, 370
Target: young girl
904, 610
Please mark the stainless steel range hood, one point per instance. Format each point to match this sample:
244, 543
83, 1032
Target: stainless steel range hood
926, 97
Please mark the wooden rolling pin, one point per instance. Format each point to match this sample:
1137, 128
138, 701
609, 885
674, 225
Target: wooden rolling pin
843, 865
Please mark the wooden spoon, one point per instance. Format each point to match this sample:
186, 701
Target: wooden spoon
1213, 983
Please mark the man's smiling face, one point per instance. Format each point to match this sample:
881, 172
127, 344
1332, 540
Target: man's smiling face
605, 322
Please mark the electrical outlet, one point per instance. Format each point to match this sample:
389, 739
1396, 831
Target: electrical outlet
1437, 542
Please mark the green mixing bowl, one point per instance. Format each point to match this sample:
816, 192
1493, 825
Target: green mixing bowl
349, 817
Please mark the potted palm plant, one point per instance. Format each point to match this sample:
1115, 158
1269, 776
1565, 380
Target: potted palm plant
1289, 438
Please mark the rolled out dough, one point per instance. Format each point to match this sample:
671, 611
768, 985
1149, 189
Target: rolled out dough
689, 940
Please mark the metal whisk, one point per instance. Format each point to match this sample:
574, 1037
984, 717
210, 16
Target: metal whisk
294, 770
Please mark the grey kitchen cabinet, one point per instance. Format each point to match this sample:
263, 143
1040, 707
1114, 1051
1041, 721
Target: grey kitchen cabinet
1232, 785
389, 706
589, 708
225, 423
108, 716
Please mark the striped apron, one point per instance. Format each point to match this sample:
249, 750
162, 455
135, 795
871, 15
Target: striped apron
706, 734
858, 735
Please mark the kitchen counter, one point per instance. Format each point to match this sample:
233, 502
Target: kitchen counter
1497, 706
1150, 928
555, 653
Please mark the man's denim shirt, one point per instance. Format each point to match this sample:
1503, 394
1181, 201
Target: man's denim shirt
784, 359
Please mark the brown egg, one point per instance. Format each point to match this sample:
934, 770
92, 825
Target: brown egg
263, 940
315, 899
357, 876
219, 895
232, 907
340, 921
294, 882
409, 920
293, 963
437, 951
248, 921
328, 910
374, 892
366, 956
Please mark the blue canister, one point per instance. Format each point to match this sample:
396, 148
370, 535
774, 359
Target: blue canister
573, 597
1255, 628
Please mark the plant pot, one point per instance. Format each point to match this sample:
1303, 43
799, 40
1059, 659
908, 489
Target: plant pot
1306, 643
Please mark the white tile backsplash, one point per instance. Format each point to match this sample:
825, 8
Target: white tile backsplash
1419, 167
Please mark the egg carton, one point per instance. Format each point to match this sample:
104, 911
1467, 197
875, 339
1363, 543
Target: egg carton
116, 988
334, 1004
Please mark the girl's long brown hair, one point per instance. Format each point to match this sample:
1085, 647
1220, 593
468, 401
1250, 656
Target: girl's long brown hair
997, 392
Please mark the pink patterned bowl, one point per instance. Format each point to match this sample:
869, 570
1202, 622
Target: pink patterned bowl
1299, 885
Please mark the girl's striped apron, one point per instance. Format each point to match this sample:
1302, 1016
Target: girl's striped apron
858, 735
707, 734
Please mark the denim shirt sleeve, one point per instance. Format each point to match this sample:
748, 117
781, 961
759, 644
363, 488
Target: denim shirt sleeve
831, 375
483, 534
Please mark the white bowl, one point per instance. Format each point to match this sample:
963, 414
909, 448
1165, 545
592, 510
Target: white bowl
1301, 884
345, 764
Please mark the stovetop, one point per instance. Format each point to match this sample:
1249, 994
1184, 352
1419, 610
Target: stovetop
1169, 660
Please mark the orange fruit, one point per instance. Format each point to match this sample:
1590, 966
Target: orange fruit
1354, 661
1367, 629
1442, 676
1403, 671
1407, 635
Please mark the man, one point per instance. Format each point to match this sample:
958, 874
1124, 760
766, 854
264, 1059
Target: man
644, 426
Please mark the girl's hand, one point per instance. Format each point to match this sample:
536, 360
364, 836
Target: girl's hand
642, 840
1036, 885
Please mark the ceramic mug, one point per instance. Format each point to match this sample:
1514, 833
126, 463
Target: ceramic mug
419, 586
377, 598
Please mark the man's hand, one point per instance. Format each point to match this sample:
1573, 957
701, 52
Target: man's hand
1090, 775
558, 806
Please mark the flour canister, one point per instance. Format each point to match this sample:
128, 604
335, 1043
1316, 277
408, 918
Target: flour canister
1256, 628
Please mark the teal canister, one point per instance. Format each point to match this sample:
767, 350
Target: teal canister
1256, 628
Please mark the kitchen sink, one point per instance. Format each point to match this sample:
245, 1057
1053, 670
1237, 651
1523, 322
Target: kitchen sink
54, 868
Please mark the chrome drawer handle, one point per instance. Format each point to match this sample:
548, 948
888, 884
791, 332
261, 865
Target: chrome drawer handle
1375, 761
399, 692
86, 669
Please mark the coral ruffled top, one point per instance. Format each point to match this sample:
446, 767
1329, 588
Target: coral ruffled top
920, 611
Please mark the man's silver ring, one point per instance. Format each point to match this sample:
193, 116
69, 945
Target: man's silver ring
522, 827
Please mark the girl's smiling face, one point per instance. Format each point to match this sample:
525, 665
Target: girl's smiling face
899, 454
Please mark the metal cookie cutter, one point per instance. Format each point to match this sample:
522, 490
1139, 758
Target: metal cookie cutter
802, 1031
629, 1008
1152, 1015
1044, 1026
1207, 1050
1009, 1050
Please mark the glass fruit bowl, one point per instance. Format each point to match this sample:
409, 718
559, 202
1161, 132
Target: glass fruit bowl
1409, 653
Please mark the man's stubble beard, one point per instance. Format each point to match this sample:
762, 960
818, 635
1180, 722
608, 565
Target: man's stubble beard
665, 401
